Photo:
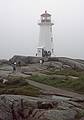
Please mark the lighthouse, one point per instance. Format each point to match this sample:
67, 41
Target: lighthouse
45, 45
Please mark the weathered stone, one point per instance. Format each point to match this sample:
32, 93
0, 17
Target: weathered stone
61, 114
27, 73
53, 64
76, 104
25, 59
66, 66
57, 62
73, 77
82, 118
70, 62
16, 107
63, 105
4, 62
47, 105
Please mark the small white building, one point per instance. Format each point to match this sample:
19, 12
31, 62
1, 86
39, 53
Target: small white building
45, 47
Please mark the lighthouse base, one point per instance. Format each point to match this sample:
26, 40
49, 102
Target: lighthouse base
42, 52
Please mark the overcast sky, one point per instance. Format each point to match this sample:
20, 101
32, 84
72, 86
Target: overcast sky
19, 32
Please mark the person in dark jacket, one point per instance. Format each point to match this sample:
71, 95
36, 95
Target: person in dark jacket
14, 66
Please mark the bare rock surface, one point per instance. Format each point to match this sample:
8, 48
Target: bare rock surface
17, 107
82, 118
70, 62
61, 114
4, 61
25, 59
57, 62
47, 90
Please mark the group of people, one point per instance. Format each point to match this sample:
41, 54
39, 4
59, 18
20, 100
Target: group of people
15, 65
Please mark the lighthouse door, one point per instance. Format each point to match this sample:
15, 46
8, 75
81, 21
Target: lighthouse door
39, 52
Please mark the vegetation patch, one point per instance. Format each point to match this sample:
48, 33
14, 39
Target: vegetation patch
64, 83
66, 72
18, 86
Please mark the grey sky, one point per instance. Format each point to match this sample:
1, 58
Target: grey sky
19, 31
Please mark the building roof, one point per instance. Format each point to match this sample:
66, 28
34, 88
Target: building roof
45, 14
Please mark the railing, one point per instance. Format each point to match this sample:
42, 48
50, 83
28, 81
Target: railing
45, 20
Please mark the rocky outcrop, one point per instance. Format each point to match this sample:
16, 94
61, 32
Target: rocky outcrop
57, 62
16, 107
61, 114
53, 64
4, 62
25, 59
70, 62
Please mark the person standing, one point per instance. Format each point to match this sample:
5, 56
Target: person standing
14, 66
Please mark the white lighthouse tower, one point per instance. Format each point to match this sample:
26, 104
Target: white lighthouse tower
45, 47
